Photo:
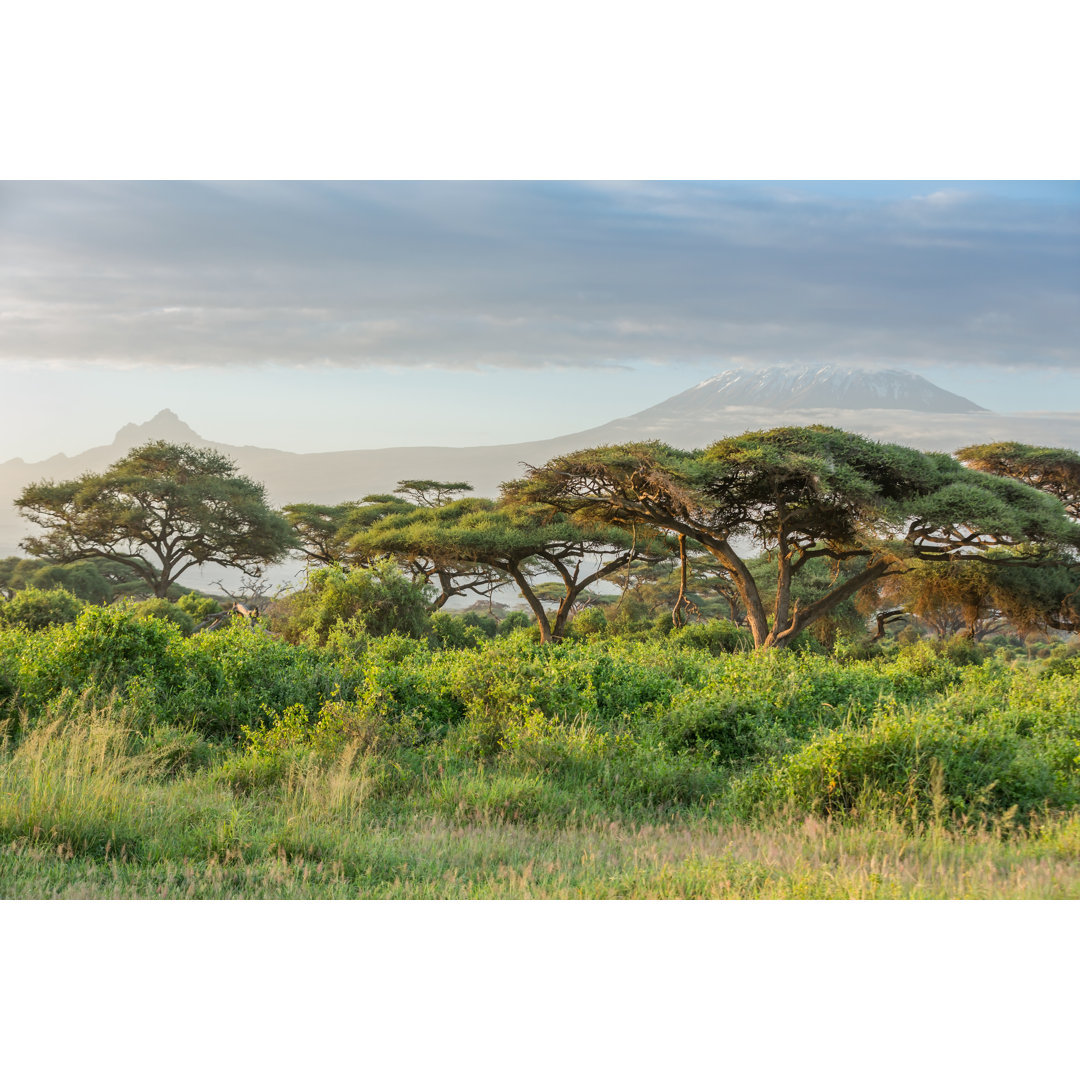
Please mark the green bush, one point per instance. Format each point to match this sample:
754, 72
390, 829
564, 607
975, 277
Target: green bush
514, 620
467, 631
34, 609
376, 600
718, 636
722, 724
197, 605
591, 622
159, 608
106, 650
485, 625
918, 764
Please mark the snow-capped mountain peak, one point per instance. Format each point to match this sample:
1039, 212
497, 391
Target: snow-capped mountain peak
828, 387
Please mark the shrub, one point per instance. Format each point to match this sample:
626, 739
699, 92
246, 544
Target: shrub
722, 724
916, 764
461, 631
197, 605
377, 600
591, 622
159, 608
35, 609
718, 636
105, 651
514, 620
485, 625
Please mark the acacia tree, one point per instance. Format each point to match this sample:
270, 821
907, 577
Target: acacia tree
982, 598
1056, 471
317, 527
1048, 468
522, 543
323, 532
158, 511
344, 535
431, 492
803, 494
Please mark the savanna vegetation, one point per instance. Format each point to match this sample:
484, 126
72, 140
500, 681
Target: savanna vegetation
795, 664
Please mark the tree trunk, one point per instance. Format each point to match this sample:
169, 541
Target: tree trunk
533, 601
676, 614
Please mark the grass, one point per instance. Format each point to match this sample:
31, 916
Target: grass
135, 762
92, 810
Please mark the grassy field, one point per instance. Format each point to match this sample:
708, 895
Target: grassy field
136, 762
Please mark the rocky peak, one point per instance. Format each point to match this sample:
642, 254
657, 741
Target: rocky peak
165, 425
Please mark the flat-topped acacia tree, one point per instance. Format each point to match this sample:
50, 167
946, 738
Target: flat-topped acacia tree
342, 535
521, 542
803, 494
1048, 468
322, 532
158, 511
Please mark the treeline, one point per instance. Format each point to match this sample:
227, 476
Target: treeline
786, 532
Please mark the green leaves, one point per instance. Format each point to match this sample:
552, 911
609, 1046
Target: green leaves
158, 511
1048, 468
802, 493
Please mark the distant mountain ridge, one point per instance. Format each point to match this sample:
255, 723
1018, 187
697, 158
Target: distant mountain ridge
905, 409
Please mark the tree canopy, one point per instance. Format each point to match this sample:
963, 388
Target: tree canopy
521, 542
803, 494
345, 535
1048, 468
158, 511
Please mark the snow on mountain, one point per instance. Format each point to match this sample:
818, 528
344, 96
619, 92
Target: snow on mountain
829, 387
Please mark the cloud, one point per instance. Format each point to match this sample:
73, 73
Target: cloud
945, 197
521, 275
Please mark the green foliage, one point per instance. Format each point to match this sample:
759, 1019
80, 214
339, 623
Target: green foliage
722, 724
519, 542
452, 726
923, 765
718, 636
592, 621
197, 605
33, 609
376, 600
485, 625
178, 505
431, 492
104, 651
83, 579
803, 495
159, 608
1049, 468
460, 631
515, 620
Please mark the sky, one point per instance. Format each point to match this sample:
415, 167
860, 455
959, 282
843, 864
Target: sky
315, 316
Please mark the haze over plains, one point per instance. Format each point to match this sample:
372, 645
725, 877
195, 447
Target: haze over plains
314, 317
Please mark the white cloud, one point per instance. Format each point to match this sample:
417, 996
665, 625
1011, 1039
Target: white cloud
945, 197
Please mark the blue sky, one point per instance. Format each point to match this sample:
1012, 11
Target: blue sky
330, 316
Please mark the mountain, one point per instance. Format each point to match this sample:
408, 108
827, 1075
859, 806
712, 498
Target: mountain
165, 425
788, 388
891, 406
